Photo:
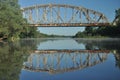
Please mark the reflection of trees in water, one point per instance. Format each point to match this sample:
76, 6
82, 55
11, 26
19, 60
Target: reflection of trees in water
117, 58
110, 44
90, 44
12, 56
10, 62
62, 62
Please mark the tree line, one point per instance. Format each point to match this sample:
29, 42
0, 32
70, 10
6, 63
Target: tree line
12, 24
113, 31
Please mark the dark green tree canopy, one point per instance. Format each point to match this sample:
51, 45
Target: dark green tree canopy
12, 23
117, 16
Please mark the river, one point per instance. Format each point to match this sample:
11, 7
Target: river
60, 59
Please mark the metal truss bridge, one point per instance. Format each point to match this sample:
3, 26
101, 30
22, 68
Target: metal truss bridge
57, 15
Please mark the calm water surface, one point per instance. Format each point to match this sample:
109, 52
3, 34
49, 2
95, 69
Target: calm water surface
60, 59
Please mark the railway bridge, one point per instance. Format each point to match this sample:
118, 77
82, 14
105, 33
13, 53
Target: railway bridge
63, 15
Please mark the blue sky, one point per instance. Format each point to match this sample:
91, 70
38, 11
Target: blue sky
107, 7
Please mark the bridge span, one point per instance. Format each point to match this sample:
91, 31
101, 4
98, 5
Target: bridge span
63, 15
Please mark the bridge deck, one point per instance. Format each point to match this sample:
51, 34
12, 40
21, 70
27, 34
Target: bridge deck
72, 51
70, 24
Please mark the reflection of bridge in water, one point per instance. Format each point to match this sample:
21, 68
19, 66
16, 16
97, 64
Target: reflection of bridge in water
56, 61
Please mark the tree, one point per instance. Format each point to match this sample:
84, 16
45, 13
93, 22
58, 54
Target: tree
12, 24
117, 16
10, 19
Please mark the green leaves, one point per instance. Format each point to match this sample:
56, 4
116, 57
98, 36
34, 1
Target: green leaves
12, 23
117, 16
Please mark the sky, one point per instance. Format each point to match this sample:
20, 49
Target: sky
107, 7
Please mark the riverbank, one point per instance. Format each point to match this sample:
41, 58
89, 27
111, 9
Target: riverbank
98, 39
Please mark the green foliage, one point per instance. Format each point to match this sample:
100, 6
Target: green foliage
117, 16
80, 34
89, 30
12, 24
10, 18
